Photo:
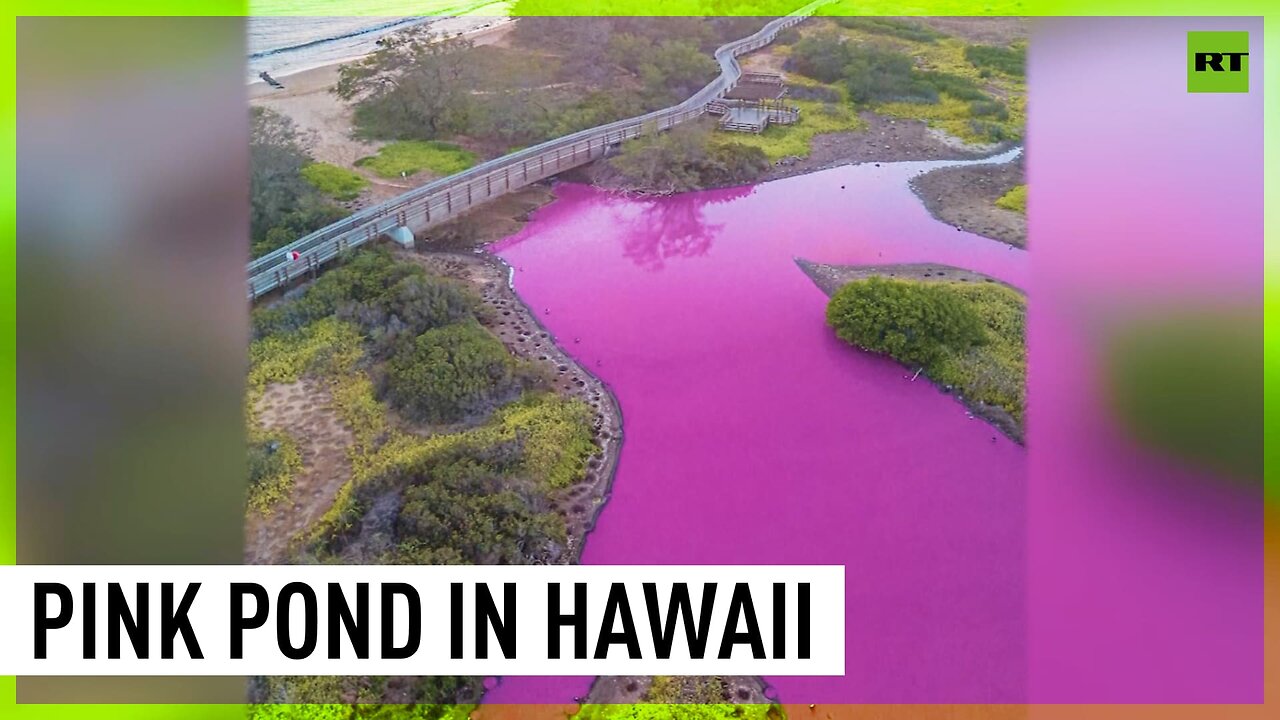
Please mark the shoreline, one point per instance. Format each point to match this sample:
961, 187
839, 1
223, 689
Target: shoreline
884, 140
965, 197
518, 327
493, 24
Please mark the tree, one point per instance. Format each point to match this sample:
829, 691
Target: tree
417, 86
451, 373
283, 205
276, 159
686, 158
914, 322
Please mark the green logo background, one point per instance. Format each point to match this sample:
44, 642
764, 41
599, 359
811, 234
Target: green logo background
1209, 80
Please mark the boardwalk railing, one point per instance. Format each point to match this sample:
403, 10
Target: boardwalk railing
443, 199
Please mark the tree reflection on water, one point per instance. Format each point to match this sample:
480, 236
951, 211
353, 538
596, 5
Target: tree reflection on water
657, 229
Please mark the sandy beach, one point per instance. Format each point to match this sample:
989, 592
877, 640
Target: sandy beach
326, 119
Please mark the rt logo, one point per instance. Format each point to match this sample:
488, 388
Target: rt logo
1218, 62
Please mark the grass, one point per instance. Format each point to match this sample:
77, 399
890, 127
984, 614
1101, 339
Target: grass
409, 157
887, 26
1008, 60
1015, 200
1000, 117
816, 118
336, 182
951, 56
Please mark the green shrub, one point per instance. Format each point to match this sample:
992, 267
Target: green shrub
874, 75
1010, 61
336, 182
989, 109
465, 513
451, 373
822, 57
555, 437
283, 205
989, 131
687, 158
957, 86
886, 26
914, 322
993, 372
364, 276
970, 336
1015, 199
412, 306
409, 157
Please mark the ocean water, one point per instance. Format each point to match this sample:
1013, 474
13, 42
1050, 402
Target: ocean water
282, 45
754, 435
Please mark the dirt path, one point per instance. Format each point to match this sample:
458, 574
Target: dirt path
965, 197
304, 410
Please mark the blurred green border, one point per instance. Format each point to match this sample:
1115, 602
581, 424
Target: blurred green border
8, 279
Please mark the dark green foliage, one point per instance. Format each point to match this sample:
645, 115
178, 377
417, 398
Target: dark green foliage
451, 373
412, 306
415, 87
818, 93
283, 205
960, 88
469, 514
877, 75
990, 131
822, 57
886, 26
914, 322
310, 214
874, 75
671, 69
729, 163
576, 73
966, 336
989, 109
1010, 61
364, 277
686, 158
1187, 382
789, 36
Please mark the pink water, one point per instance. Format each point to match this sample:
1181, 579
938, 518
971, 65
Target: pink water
753, 435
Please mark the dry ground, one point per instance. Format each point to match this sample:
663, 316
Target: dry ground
304, 410
965, 197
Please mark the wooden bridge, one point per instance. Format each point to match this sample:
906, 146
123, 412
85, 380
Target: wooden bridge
448, 197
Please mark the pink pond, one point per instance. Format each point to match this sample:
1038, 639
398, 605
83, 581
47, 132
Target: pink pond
753, 435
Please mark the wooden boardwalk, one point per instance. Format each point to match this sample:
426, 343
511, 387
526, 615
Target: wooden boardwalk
446, 198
